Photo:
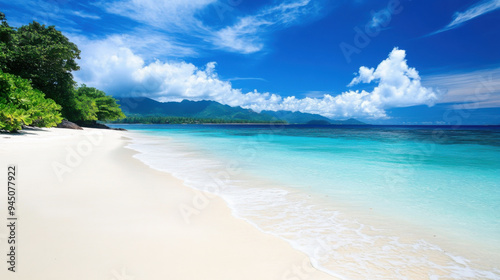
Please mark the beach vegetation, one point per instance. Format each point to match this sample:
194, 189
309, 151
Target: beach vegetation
93, 104
21, 104
46, 58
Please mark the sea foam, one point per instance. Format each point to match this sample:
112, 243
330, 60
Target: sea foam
331, 235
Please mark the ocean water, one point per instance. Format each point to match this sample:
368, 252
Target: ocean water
368, 202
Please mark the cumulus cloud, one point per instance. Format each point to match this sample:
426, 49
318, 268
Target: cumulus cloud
398, 84
118, 71
472, 12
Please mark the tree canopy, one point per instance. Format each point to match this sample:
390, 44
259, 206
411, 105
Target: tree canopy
46, 58
96, 105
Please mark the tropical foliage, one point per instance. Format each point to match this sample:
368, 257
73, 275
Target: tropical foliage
45, 58
94, 105
20, 105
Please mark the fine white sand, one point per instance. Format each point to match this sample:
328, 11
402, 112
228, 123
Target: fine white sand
88, 210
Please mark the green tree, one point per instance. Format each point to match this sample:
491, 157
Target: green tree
20, 105
5, 39
86, 108
94, 104
44, 56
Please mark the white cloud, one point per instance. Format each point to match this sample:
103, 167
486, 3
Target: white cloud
196, 26
149, 44
315, 93
50, 13
85, 15
398, 84
169, 28
107, 64
245, 36
176, 15
380, 19
472, 12
247, 79
118, 71
183, 18
477, 89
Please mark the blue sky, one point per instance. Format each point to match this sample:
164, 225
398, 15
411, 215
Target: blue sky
396, 61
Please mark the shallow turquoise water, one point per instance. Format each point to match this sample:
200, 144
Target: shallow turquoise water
435, 178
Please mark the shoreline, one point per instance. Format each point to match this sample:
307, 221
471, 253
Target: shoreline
89, 226
134, 219
409, 235
436, 126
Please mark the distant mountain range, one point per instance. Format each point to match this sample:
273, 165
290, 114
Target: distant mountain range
305, 118
143, 106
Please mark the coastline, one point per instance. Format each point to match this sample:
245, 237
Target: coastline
335, 230
88, 210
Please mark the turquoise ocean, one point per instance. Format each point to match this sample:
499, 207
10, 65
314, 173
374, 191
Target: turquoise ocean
363, 202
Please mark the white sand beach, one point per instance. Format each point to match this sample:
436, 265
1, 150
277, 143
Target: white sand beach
88, 210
